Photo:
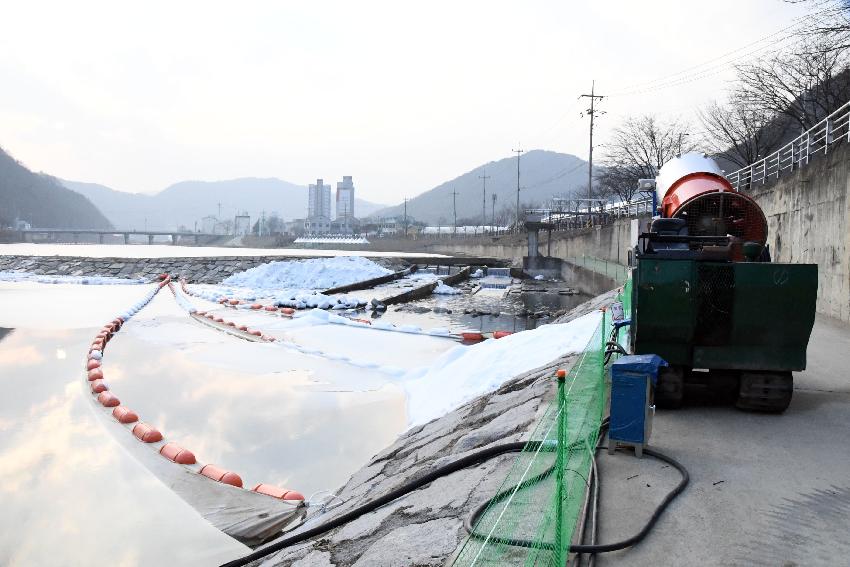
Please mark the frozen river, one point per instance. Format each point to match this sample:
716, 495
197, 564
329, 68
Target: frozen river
269, 414
303, 412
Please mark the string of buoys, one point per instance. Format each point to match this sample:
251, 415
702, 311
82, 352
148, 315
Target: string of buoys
232, 303
147, 433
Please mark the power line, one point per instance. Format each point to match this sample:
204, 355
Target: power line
685, 73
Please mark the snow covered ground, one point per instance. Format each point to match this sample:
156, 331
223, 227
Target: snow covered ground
80, 280
313, 273
466, 372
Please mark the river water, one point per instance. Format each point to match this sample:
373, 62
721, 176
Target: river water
73, 495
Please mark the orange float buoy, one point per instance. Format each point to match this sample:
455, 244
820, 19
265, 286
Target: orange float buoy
231, 324
255, 332
477, 337
223, 300
276, 492
234, 302
108, 400
270, 308
256, 306
97, 386
92, 364
95, 374
501, 334
221, 475
218, 319
200, 313
242, 327
561, 373
146, 433
124, 415
287, 310
178, 454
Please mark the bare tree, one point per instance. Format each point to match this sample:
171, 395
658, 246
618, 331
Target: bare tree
637, 149
741, 133
830, 21
805, 84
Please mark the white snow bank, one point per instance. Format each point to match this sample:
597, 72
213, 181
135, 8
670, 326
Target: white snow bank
79, 280
465, 372
315, 273
443, 289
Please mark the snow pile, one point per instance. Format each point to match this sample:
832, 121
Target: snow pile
463, 373
539, 277
479, 273
318, 300
315, 273
77, 280
443, 289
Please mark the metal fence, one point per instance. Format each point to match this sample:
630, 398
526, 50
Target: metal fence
832, 130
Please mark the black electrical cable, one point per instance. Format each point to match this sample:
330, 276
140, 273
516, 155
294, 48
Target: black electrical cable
462, 463
579, 548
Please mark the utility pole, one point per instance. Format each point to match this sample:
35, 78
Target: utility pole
493, 213
592, 96
405, 217
484, 178
454, 209
518, 153
262, 222
219, 211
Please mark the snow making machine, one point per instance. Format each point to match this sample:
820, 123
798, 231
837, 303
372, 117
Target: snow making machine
731, 324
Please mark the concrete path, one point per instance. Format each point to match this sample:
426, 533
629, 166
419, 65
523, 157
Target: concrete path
765, 489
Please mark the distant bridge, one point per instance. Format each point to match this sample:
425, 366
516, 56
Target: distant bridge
74, 233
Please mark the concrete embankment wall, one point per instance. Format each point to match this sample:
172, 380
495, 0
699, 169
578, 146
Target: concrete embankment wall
610, 243
807, 213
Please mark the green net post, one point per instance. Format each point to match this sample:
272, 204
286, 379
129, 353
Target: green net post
559, 468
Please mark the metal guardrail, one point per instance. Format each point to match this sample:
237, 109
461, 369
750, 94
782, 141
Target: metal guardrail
831, 130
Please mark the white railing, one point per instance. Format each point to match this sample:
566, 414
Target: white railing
594, 215
797, 153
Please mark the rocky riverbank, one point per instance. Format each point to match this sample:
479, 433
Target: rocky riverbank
197, 270
425, 527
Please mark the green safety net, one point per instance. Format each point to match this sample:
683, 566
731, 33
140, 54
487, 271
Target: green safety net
533, 515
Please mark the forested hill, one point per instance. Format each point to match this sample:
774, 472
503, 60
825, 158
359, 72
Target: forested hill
42, 200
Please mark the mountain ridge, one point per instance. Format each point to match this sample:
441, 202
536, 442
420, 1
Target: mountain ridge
42, 200
185, 203
543, 174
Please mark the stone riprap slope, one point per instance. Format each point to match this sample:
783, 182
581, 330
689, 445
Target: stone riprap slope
425, 527
196, 270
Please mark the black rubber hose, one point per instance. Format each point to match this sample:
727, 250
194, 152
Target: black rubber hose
597, 548
462, 463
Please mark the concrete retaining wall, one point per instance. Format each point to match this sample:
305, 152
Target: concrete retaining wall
807, 214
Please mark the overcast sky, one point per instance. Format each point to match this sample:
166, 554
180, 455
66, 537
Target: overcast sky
400, 95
